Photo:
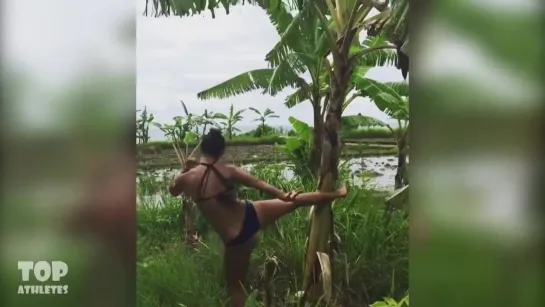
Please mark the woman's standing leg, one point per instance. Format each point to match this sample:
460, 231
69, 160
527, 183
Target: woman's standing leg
236, 262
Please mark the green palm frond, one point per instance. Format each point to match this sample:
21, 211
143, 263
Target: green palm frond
157, 8
295, 64
271, 80
322, 41
386, 98
255, 110
288, 42
360, 72
279, 16
303, 35
243, 83
371, 88
399, 21
185, 108
355, 121
401, 88
238, 114
221, 116
393, 23
296, 98
370, 53
268, 112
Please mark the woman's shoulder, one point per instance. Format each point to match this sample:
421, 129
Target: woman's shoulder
230, 168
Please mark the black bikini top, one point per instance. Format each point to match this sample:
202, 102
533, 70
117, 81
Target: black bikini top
230, 192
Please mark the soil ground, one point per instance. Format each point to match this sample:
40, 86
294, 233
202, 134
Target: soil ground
160, 157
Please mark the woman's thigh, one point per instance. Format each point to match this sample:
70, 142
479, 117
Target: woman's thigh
237, 261
270, 210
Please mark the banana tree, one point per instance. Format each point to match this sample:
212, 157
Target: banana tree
262, 117
181, 135
341, 30
177, 131
392, 99
229, 120
142, 126
298, 146
303, 48
395, 25
203, 121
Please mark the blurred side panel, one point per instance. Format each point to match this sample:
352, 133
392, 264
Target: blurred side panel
68, 158
477, 136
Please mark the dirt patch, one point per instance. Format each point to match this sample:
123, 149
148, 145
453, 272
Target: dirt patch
245, 154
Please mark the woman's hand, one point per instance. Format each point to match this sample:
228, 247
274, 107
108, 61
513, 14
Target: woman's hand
290, 196
189, 164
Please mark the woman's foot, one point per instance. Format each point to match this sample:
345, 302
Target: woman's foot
343, 190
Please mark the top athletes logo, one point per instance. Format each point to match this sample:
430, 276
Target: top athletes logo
43, 272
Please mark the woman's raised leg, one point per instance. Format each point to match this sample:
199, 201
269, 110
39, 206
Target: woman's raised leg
268, 211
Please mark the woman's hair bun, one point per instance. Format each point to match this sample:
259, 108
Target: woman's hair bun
213, 143
214, 132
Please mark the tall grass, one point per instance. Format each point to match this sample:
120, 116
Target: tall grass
370, 261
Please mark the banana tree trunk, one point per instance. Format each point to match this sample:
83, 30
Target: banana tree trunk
321, 223
317, 136
401, 162
401, 158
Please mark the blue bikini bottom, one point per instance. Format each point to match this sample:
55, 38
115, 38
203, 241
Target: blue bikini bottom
250, 226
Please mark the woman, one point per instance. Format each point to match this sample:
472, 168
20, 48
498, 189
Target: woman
212, 186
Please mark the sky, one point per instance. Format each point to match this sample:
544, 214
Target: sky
180, 57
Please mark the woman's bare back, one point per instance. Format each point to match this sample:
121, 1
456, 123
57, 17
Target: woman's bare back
201, 186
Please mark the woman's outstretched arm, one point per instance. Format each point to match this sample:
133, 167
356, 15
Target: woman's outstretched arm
247, 179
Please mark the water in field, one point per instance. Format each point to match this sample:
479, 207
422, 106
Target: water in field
374, 172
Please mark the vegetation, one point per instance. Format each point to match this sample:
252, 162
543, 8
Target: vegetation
263, 129
189, 123
230, 120
371, 259
142, 126
393, 100
370, 134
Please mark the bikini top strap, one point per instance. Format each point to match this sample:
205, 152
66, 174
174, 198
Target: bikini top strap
204, 180
221, 178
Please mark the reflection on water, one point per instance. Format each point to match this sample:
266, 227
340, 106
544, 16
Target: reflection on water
375, 172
